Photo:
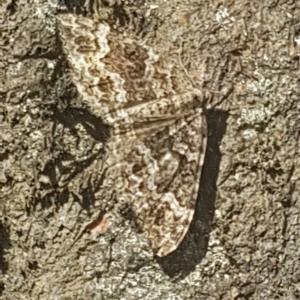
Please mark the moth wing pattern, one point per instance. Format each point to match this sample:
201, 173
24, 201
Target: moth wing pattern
115, 69
157, 148
158, 175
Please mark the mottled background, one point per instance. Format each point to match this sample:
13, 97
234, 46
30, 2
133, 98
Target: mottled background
244, 240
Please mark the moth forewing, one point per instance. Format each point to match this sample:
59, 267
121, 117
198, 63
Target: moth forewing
156, 153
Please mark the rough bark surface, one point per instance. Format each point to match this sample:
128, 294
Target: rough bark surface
63, 237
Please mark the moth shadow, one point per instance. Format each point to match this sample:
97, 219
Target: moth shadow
193, 248
4, 246
62, 166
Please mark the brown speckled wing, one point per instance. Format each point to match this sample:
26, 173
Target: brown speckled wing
158, 144
158, 174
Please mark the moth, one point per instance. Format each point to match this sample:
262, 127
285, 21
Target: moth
158, 142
